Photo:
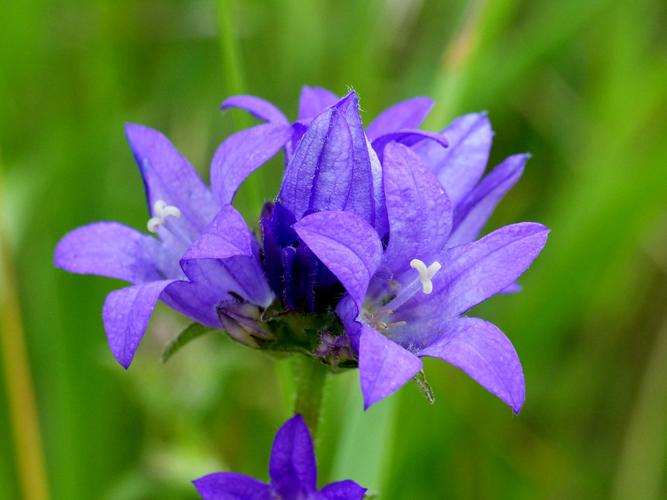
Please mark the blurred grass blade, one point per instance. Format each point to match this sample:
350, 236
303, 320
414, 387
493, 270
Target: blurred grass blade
22, 406
234, 85
188, 334
642, 465
365, 447
233, 71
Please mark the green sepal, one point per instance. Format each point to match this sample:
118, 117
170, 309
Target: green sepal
424, 386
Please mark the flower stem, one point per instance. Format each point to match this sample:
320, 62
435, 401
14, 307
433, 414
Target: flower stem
311, 376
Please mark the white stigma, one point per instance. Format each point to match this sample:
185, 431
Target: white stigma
426, 274
160, 213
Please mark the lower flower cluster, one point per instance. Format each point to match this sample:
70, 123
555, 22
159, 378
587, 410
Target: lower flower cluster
369, 256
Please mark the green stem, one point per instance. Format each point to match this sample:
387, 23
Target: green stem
311, 376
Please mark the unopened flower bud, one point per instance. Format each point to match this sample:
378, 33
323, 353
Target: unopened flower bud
242, 321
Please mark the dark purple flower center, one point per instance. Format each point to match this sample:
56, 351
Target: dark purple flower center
294, 273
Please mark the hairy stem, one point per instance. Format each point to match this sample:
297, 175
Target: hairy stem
311, 377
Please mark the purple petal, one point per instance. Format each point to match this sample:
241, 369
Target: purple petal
126, 313
347, 311
257, 107
241, 154
109, 249
474, 272
330, 169
292, 467
314, 100
224, 259
238, 274
319, 175
226, 236
169, 177
361, 197
405, 114
513, 288
197, 301
475, 209
231, 486
342, 490
221, 261
409, 138
347, 245
381, 223
384, 366
420, 215
482, 351
460, 167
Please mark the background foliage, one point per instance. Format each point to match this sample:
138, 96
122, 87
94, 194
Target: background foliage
579, 84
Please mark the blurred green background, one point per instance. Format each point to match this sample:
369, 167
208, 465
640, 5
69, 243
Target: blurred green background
581, 85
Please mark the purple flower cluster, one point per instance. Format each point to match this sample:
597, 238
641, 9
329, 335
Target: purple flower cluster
292, 469
369, 255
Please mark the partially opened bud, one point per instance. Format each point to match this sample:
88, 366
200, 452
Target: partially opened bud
243, 323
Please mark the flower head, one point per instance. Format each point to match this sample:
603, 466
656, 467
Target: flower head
405, 299
369, 255
292, 472
389, 216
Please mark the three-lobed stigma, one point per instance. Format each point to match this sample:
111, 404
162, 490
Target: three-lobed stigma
426, 274
161, 210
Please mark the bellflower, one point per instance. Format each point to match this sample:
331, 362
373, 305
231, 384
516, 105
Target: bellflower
405, 299
407, 258
334, 167
292, 469
369, 256
332, 164
161, 266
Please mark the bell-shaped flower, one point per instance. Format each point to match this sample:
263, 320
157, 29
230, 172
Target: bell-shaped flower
167, 265
406, 299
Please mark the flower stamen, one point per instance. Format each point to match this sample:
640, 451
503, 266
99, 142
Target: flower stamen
160, 213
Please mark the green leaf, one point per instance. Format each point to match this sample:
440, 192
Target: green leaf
190, 333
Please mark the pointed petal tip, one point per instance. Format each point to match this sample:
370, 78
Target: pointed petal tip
140, 136
297, 420
350, 96
513, 166
522, 158
369, 400
534, 227
424, 99
122, 358
478, 119
125, 364
384, 366
132, 129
